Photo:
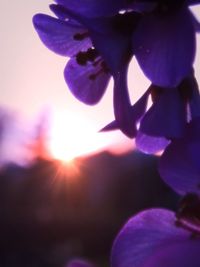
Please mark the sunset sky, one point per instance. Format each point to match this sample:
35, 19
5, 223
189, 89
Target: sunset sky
32, 76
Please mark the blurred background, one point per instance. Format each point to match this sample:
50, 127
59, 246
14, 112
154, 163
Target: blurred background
65, 189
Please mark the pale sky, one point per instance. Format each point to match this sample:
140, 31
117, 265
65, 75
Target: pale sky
32, 76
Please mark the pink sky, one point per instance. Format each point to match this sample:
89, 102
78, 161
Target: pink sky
32, 76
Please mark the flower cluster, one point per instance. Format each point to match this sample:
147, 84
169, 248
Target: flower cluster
100, 38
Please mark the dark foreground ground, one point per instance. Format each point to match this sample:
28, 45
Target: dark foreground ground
50, 213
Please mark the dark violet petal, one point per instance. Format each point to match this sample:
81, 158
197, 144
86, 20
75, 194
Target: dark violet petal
165, 47
75, 18
122, 104
64, 14
83, 87
113, 47
143, 236
91, 8
193, 131
192, 142
166, 117
193, 2
110, 127
150, 144
177, 254
196, 24
194, 102
126, 116
143, 6
79, 263
137, 111
139, 108
178, 169
58, 35
59, 11
194, 154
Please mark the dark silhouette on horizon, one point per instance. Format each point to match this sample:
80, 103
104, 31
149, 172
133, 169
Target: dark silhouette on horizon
50, 214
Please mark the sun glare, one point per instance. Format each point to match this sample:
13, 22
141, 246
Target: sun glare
73, 135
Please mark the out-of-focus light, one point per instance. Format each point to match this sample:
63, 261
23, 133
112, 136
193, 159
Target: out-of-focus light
72, 135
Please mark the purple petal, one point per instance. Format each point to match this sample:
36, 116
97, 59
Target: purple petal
144, 235
64, 14
59, 11
182, 254
58, 35
165, 47
178, 169
126, 116
166, 117
194, 102
150, 144
196, 24
91, 8
193, 2
193, 131
122, 104
140, 106
137, 111
114, 125
114, 42
113, 47
86, 82
192, 142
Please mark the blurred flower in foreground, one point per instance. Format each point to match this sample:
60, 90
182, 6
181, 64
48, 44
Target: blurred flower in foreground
156, 238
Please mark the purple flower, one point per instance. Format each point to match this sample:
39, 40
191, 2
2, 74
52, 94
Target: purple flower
156, 238
98, 49
180, 163
101, 41
69, 38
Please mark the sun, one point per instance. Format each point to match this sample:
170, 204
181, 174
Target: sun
71, 135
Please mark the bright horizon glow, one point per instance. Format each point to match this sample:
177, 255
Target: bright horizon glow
72, 135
